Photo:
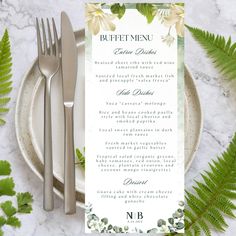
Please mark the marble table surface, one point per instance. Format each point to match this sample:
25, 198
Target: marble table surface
217, 94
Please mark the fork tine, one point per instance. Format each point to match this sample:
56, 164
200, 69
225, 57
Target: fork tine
39, 42
44, 38
55, 38
49, 38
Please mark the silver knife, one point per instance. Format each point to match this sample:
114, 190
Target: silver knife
69, 74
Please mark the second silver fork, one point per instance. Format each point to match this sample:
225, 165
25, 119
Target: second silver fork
49, 63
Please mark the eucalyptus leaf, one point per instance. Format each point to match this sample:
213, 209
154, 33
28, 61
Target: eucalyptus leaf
153, 231
180, 225
171, 221
104, 220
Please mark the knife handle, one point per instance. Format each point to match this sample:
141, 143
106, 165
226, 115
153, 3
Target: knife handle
48, 162
69, 171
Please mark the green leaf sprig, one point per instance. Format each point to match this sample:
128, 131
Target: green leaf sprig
24, 200
81, 157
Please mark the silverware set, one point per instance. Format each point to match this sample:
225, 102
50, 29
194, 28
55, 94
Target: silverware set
52, 57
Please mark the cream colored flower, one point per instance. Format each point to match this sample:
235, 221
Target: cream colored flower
176, 17
96, 19
168, 39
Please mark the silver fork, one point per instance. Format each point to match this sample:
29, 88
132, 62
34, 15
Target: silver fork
49, 63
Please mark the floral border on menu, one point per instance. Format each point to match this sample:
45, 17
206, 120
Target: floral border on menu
174, 224
171, 15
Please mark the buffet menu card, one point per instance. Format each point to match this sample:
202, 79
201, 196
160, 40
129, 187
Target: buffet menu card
134, 118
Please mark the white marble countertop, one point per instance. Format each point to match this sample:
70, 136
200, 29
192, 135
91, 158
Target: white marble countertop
218, 99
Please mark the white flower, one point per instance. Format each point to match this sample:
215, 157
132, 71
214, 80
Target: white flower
96, 19
168, 39
176, 17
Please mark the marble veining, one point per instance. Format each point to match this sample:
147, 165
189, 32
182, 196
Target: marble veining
217, 94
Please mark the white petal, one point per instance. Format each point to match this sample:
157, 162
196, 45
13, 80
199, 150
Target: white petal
90, 7
180, 27
178, 9
111, 16
106, 24
93, 25
171, 19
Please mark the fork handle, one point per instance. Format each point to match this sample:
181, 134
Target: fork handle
48, 203
69, 172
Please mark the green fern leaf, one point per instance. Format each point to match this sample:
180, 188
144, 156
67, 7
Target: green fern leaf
220, 50
5, 74
212, 197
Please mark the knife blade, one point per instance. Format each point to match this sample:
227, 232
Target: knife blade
69, 58
69, 75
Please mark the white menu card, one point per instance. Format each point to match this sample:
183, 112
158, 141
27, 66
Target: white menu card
134, 135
